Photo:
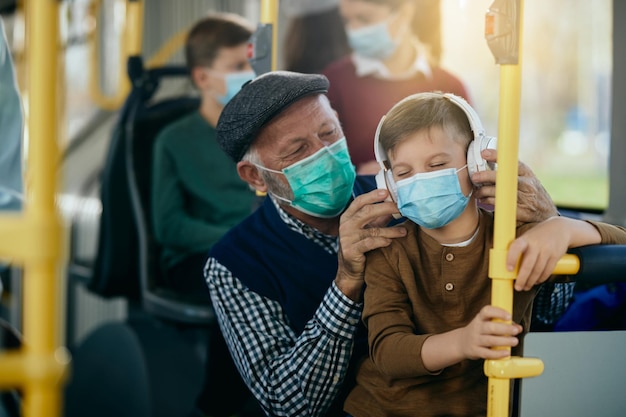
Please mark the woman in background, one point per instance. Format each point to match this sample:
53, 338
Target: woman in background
389, 61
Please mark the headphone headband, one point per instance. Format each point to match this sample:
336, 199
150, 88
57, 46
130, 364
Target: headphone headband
475, 125
379, 152
472, 116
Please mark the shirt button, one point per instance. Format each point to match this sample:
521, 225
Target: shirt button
449, 257
449, 286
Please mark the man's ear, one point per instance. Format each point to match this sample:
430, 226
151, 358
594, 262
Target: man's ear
250, 174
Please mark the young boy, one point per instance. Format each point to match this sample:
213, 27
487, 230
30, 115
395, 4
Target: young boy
197, 195
426, 302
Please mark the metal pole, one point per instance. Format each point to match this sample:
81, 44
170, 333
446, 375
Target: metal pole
42, 314
504, 30
269, 15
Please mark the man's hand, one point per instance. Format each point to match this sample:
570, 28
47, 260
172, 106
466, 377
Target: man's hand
534, 204
362, 228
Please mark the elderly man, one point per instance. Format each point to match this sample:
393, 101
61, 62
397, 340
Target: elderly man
287, 282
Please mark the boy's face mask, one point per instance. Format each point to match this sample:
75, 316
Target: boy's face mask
234, 81
372, 41
432, 199
321, 183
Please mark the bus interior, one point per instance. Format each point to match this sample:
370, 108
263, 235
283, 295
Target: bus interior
134, 348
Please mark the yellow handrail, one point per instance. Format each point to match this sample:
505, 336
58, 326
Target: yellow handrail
168, 49
36, 235
130, 44
269, 15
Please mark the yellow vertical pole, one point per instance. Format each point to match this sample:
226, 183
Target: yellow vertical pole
269, 15
505, 212
129, 45
500, 372
42, 316
132, 37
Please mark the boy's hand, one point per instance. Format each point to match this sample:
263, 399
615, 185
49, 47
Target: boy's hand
483, 333
542, 247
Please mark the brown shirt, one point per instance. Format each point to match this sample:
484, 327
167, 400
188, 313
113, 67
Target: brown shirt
416, 288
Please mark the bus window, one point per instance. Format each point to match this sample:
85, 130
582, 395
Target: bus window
566, 84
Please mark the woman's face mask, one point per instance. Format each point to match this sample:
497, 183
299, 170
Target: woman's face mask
432, 199
321, 183
374, 41
233, 82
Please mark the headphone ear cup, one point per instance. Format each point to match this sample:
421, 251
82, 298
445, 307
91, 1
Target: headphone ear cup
475, 162
380, 180
384, 181
391, 186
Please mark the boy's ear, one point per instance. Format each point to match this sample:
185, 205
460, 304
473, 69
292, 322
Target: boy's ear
200, 77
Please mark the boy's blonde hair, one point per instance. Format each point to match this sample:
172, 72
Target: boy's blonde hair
423, 111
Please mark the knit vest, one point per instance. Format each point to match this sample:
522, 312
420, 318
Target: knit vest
278, 263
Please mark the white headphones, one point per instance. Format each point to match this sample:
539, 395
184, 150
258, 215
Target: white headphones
475, 162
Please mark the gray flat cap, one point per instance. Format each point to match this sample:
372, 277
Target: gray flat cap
258, 102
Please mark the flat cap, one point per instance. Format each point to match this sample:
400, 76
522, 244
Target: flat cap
258, 102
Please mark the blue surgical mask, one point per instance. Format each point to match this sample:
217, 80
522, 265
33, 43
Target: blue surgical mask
321, 183
234, 81
432, 199
372, 41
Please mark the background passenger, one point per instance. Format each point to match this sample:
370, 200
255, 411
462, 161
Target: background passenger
314, 37
286, 283
196, 192
11, 181
427, 294
388, 62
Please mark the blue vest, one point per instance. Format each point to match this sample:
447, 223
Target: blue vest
280, 264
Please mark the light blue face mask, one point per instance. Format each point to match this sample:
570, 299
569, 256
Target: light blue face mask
321, 183
372, 41
432, 199
234, 81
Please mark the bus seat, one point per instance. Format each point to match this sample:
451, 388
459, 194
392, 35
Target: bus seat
599, 297
143, 367
109, 376
582, 374
127, 262
115, 271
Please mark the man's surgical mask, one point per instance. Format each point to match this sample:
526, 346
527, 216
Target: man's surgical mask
234, 81
372, 41
432, 199
321, 183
